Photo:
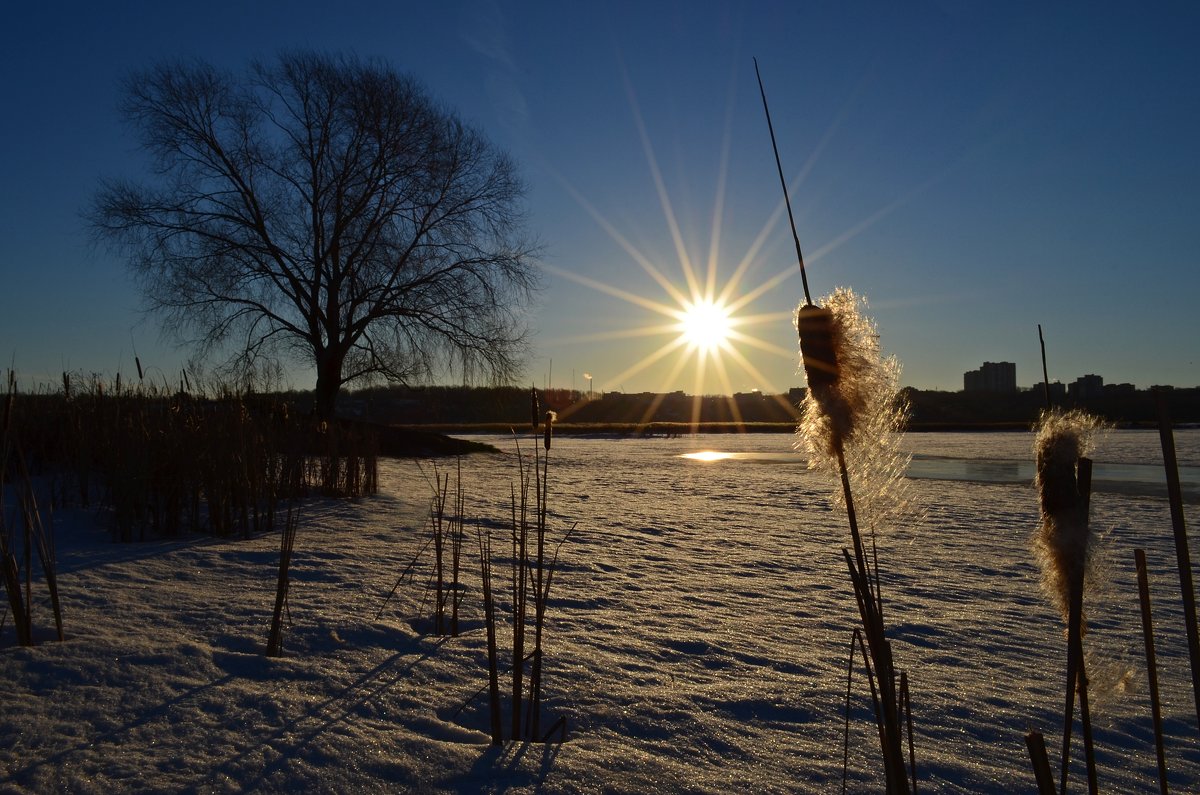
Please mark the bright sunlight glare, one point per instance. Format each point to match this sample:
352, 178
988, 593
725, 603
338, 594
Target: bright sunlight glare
708, 455
705, 325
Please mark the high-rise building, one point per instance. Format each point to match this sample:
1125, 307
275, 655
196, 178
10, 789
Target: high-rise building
1086, 387
991, 377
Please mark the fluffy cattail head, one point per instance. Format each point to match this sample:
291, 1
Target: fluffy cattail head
815, 327
855, 407
550, 418
847, 375
1061, 544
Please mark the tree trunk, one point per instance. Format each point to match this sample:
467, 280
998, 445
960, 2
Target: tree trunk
329, 382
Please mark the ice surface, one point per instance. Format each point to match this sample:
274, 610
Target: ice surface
697, 639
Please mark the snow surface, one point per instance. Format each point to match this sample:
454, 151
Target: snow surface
697, 639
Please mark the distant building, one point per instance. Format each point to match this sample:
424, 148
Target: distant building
1120, 390
1086, 387
1058, 390
991, 377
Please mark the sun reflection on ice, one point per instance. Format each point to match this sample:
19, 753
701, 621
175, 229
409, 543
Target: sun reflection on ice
708, 455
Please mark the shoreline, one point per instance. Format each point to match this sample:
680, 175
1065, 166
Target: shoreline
688, 428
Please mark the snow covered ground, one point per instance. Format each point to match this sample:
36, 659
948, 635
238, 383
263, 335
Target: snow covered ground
698, 635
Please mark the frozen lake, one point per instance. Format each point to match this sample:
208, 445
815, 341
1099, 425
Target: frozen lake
697, 635
1125, 461
711, 579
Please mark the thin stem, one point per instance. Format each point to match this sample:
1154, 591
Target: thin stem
1045, 373
783, 182
1143, 578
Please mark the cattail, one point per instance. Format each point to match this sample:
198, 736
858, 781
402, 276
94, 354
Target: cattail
534, 409
550, 418
851, 385
66, 385
815, 327
850, 416
1061, 543
138, 362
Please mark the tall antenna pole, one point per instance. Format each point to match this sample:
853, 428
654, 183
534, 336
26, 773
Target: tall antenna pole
783, 183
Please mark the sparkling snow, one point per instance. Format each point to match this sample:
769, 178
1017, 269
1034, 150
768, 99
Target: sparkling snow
698, 635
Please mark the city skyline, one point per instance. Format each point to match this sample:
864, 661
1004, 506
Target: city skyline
974, 171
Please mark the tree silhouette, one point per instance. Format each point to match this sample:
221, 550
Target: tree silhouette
326, 209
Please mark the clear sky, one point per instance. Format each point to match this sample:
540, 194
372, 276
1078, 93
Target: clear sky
972, 168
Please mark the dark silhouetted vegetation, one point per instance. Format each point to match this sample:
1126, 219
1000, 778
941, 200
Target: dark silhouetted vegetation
164, 464
323, 209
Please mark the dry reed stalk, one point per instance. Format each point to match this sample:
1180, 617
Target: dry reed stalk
532, 573
287, 542
22, 621
520, 576
540, 581
407, 570
1139, 556
36, 538
856, 641
439, 541
458, 533
447, 532
906, 708
44, 543
1041, 763
1182, 556
489, 619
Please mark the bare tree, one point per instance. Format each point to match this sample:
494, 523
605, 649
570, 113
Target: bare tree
326, 209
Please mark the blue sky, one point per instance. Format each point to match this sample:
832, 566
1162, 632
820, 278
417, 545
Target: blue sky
972, 168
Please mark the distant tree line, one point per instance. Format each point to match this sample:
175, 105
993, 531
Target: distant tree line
1131, 407
929, 409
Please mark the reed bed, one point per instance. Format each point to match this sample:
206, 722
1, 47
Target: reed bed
165, 463
23, 535
531, 573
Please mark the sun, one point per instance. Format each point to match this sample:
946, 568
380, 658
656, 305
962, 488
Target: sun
705, 325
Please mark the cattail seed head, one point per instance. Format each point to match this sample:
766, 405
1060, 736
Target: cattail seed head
1061, 543
849, 380
550, 418
815, 327
138, 362
854, 410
